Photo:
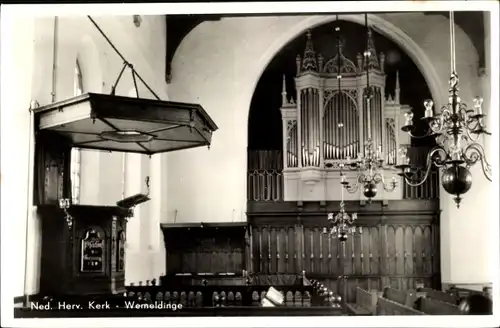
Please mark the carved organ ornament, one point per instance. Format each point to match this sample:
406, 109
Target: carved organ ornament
330, 121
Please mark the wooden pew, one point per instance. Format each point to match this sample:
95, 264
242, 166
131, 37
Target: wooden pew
237, 295
461, 293
388, 307
405, 297
366, 303
434, 307
438, 295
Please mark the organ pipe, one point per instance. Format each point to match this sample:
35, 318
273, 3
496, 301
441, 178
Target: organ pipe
310, 128
333, 124
310, 120
318, 124
303, 125
292, 144
340, 142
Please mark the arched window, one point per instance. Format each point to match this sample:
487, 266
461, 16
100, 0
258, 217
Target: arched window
75, 152
77, 80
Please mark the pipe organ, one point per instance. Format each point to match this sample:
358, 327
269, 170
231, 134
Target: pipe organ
327, 123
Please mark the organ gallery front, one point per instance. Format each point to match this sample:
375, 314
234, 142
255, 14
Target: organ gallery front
331, 122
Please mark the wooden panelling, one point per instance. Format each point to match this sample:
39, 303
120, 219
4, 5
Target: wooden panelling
397, 247
208, 248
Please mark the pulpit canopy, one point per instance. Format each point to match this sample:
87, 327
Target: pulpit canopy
116, 123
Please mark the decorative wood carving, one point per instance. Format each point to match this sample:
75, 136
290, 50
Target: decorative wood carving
81, 258
398, 245
205, 248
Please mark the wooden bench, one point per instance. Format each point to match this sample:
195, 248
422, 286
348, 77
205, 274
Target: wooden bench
366, 303
404, 297
388, 307
465, 292
438, 295
434, 307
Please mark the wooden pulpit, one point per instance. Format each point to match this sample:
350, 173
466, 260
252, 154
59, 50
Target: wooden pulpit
83, 249
83, 246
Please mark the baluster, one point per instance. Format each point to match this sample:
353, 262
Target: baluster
199, 299
191, 299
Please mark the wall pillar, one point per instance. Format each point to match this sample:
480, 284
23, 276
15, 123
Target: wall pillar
158, 195
18, 60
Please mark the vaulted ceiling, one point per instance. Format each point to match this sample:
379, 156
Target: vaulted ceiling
179, 26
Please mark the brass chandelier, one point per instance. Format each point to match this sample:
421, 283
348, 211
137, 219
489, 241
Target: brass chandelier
342, 224
456, 130
370, 165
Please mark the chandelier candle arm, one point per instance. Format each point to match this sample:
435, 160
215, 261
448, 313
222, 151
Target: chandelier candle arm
342, 224
407, 172
476, 153
456, 131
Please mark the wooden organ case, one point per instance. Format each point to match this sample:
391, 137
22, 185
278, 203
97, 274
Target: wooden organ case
327, 125
399, 242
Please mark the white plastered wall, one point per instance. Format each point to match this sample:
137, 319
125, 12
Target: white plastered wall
102, 180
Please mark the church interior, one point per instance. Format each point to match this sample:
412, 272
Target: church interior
251, 165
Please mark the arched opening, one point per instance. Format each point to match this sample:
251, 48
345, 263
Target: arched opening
265, 127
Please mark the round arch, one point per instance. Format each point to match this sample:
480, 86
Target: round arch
221, 73
90, 64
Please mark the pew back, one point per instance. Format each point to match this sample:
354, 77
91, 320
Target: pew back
405, 297
366, 303
465, 292
438, 295
388, 307
434, 307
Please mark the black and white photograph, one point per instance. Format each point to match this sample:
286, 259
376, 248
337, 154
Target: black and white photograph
319, 164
